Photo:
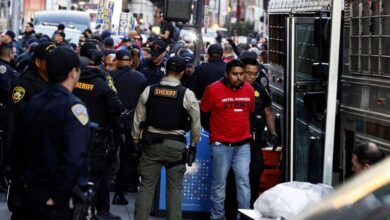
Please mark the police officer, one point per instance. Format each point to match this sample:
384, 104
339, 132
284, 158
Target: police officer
51, 146
164, 109
154, 69
99, 95
7, 74
130, 84
31, 82
262, 77
209, 72
261, 117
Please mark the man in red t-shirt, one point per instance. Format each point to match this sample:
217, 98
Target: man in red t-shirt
226, 106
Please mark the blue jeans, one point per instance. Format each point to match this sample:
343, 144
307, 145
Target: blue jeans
222, 158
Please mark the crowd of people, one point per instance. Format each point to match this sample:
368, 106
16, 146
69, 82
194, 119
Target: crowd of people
74, 114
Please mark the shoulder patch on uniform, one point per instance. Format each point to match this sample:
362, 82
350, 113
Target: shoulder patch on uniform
257, 93
165, 92
18, 93
80, 111
111, 83
263, 81
3, 69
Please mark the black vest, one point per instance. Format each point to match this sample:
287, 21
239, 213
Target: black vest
165, 108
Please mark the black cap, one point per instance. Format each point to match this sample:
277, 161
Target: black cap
42, 50
157, 48
123, 55
105, 34
61, 33
60, 62
109, 42
176, 64
248, 55
189, 58
215, 50
126, 39
10, 33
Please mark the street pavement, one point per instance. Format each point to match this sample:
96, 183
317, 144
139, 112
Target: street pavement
126, 212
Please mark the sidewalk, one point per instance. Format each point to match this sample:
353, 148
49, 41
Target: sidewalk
126, 212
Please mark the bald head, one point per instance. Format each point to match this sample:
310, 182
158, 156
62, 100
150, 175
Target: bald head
364, 155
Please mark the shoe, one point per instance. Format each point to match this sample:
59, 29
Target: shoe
119, 200
106, 216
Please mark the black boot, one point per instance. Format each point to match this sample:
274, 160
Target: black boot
120, 199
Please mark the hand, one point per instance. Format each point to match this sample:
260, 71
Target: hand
50, 202
273, 141
137, 151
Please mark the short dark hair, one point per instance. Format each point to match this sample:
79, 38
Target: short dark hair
252, 62
5, 50
234, 63
368, 153
30, 24
61, 27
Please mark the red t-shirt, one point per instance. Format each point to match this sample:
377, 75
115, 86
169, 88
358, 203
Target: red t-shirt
230, 109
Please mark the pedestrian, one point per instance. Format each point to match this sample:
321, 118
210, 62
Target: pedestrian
163, 112
207, 73
226, 106
50, 148
130, 84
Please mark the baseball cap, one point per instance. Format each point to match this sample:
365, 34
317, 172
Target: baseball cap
42, 50
61, 33
176, 64
105, 34
58, 69
109, 42
215, 50
248, 55
157, 48
126, 39
123, 55
189, 59
10, 33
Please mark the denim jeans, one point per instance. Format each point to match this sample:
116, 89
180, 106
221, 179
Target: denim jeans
222, 158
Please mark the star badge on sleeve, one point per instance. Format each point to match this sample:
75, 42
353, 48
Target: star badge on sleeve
18, 93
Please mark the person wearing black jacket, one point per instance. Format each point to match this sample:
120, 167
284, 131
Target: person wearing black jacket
30, 82
209, 72
50, 149
99, 94
130, 84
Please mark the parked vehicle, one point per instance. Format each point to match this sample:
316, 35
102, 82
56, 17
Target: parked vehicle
71, 19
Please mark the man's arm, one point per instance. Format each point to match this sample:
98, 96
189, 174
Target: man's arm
270, 120
139, 115
72, 160
191, 104
206, 108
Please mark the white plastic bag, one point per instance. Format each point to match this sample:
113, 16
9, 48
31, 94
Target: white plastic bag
289, 199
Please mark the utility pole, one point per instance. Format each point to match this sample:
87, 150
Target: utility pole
198, 28
15, 18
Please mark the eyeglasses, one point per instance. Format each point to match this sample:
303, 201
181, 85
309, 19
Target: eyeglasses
251, 74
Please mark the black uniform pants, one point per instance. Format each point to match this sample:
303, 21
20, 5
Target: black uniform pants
127, 176
256, 167
102, 167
